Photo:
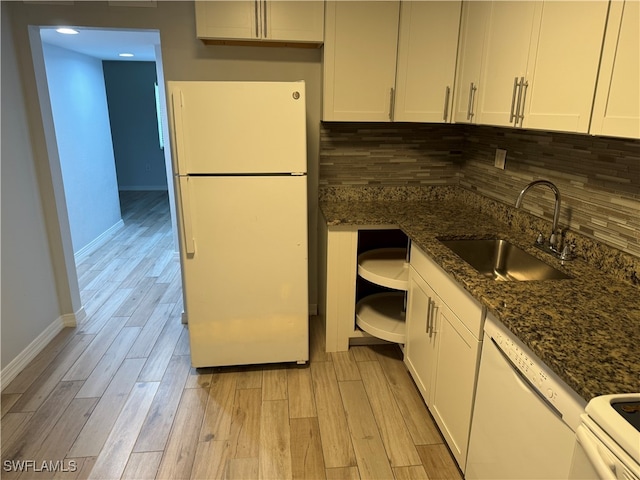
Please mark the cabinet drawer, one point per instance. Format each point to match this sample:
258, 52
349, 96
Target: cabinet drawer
467, 308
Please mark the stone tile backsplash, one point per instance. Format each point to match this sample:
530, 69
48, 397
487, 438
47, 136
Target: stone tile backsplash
389, 154
598, 177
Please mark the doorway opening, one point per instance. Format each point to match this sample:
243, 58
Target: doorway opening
113, 189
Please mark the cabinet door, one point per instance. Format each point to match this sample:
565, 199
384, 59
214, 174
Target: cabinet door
421, 342
227, 20
509, 29
300, 21
427, 44
454, 381
360, 60
563, 65
616, 110
470, 52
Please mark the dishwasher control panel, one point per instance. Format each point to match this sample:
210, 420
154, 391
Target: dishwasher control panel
556, 393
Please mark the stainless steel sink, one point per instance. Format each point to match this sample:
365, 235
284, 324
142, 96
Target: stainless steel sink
501, 260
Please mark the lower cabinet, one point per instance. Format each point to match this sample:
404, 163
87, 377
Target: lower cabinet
442, 349
363, 278
421, 347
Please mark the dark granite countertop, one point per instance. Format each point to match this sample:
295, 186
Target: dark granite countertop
586, 328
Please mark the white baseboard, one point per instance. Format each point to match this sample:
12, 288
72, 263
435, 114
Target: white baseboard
16, 365
99, 240
73, 319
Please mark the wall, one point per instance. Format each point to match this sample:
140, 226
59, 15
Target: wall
134, 129
83, 135
184, 57
599, 177
29, 296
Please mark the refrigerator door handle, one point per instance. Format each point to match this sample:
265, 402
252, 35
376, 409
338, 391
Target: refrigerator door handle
185, 213
177, 100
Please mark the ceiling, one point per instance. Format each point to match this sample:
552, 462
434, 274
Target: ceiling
106, 44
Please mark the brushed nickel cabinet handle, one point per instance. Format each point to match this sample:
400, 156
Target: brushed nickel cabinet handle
257, 17
472, 94
428, 326
446, 103
512, 112
391, 103
264, 15
524, 86
434, 316
517, 113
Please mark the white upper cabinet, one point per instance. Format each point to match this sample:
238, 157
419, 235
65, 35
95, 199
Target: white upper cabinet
616, 110
261, 20
299, 21
360, 60
563, 65
507, 38
390, 61
427, 43
529, 64
470, 53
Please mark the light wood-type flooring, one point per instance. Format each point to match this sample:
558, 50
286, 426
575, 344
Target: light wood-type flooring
116, 397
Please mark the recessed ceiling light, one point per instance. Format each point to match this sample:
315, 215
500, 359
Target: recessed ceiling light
67, 31
125, 54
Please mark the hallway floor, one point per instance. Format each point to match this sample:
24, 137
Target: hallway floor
116, 396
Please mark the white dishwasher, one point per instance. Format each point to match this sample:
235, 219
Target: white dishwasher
524, 416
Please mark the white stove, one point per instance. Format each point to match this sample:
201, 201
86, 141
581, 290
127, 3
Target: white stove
608, 439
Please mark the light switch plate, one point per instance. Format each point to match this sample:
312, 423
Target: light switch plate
501, 159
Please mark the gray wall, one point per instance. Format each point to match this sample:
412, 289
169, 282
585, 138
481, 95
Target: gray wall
80, 116
29, 296
184, 58
132, 113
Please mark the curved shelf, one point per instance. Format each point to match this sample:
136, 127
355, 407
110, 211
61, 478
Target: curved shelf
382, 315
386, 267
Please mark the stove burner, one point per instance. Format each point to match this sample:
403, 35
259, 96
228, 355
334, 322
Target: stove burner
630, 411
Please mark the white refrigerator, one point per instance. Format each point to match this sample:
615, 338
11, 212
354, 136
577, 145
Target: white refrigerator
240, 165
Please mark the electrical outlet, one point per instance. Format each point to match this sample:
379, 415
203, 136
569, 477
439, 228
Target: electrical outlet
501, 159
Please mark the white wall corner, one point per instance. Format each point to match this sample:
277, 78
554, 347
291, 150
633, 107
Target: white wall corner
18, 364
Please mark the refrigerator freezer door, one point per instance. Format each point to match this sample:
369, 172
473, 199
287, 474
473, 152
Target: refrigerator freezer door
246, 293
239, 127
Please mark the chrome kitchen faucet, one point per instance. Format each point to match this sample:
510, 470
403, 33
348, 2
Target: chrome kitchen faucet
554, 245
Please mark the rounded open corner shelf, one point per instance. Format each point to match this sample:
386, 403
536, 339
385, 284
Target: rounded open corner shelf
387, 267
382, 315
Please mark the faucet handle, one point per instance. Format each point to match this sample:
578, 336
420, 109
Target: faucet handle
540, 239
567, 252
